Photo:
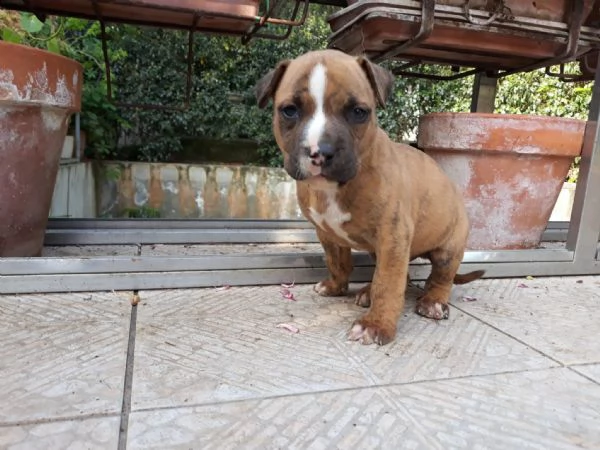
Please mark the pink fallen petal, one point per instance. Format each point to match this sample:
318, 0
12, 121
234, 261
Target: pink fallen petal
222, 288
522, 285
288, 326
467, 298
286, 293
284, 285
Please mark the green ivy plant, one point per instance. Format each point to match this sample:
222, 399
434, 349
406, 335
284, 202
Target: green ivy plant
34, 32
142, 212
536, 93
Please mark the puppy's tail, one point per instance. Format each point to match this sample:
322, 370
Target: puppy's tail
468, 277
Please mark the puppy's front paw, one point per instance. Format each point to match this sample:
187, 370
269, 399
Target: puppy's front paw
328, 288
363, 297
432, 309
368, 332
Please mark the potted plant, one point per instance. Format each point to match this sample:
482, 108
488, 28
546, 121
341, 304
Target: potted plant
39, 90
509, 167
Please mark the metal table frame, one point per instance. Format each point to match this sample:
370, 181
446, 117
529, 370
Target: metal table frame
579, 256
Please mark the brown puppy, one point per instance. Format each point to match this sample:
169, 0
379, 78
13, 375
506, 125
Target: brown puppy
363, 191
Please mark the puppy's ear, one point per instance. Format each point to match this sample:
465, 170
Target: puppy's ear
267, 86
381, 80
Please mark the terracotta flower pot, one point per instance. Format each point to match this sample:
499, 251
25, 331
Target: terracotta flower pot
38, 92
510, 169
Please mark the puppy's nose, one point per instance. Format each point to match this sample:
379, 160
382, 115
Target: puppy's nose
324, 151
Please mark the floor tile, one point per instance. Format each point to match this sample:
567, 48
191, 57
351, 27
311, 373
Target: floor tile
89, 434
62, 355
557, 316
207, 345
545, 410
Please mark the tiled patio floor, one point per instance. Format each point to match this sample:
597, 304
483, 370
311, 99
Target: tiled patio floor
516, 368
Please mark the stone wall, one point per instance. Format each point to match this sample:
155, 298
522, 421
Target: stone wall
191, 191
564, 205
194, 191
74, 191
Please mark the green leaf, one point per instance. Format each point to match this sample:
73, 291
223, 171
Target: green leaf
9, 35
30, 23
53, 45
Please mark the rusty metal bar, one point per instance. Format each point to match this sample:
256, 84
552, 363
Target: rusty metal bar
104, 49
287, 22
497, 11
427, 22
569, 52
280, 37
190, 57
428, 76
567, 77
407, 65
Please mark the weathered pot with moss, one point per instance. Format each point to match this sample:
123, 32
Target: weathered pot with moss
39, 90
510, 169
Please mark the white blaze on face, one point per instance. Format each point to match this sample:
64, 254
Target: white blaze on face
316, 87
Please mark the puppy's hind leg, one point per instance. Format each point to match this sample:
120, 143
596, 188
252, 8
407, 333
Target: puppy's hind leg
434, 301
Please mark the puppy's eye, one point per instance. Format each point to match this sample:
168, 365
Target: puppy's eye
290, 112
358, 114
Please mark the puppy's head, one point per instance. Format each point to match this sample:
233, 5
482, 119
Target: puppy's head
324, 111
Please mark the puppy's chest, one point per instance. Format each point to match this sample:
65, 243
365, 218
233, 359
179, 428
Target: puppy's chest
326, 213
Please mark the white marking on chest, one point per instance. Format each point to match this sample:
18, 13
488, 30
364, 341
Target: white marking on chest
333, 217
316, 125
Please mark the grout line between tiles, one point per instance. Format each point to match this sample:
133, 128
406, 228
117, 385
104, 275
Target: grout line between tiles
129, 378
127, 385
340, 390
520, 341
584, 364
78, 418
571, 367
581, 374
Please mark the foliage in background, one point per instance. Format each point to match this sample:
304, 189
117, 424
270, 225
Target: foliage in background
155, 72
536, 93
142, 212
413, 97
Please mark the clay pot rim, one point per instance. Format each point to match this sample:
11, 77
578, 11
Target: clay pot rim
517, 134
497, 116
23, 62
570, 153
45, 53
